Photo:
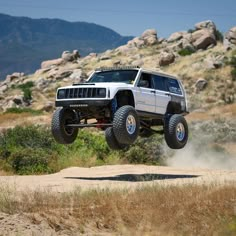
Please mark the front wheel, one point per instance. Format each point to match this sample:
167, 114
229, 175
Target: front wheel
60, 131
176, 132
111, 140
126, 125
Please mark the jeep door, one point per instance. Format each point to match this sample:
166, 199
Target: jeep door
145, 94
162, 94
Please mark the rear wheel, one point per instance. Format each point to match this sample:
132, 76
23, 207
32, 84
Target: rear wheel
176, 132
60, 131
111, 140
126, 125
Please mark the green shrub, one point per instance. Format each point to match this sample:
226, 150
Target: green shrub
30, 161
219, 36
32, 149
23, 110
146, 150
28, 150
26, 88
186, 51
27, 94
28, 137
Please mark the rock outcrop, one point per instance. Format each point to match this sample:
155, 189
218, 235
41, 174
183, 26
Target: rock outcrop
202, 37
230, 39
166, 58
149, 37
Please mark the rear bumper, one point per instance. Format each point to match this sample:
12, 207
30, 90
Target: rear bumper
82, 103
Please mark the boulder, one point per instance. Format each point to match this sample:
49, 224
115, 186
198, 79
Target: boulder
208, 24
203, 38
93, 54
62, 74
201, 84
175, 36
9, 104
138, 62
76, 74
136, 42
149, 37
166, 58
68, 56
42, 83
3, 88
230, 39
51, 63
14, 76
105, 57
214, 62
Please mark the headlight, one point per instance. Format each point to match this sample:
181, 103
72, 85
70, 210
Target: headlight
102, 92
61, 93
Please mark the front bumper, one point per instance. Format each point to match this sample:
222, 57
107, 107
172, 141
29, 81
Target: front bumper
81, 103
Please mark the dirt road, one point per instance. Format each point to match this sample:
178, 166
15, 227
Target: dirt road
117, 176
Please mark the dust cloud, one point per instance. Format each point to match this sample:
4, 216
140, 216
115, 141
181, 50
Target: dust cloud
193, 156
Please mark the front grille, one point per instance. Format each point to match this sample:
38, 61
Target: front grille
84, 93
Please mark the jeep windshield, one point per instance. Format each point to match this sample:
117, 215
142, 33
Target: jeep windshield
114, 76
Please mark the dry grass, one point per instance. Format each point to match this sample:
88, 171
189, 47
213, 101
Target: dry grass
10, 120
226, 111
153, 210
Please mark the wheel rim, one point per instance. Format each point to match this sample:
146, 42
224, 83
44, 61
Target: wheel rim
68, 130
180, 132
130, 124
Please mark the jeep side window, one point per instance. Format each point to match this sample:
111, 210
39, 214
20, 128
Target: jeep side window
160, 82
173, 86
145, 81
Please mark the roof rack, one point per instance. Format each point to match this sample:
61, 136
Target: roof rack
117, 68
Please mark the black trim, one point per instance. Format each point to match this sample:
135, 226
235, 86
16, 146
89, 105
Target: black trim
82, 103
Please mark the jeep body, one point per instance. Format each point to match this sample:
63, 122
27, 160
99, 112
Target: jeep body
150, 99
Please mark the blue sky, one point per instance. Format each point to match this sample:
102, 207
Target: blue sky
130, 17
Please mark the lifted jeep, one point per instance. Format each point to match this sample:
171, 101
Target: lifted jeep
125, 102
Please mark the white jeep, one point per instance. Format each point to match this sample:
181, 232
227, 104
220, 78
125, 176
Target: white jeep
125, 102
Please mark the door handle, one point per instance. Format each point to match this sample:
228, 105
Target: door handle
153, 91
167, 94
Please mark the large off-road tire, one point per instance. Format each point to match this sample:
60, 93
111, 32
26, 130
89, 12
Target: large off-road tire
176, 132
111, 140
61, 133
126, 125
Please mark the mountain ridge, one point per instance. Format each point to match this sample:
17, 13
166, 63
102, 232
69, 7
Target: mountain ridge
26, 42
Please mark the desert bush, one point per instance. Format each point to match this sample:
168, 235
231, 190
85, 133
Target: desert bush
186, 51
219, 36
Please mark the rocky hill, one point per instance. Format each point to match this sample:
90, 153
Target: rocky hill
205, 64
25, 42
